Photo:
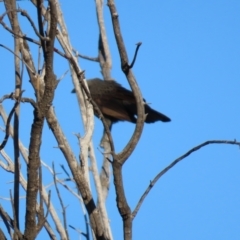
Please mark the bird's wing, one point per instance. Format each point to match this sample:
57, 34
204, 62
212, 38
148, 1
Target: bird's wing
114, 101
115, 109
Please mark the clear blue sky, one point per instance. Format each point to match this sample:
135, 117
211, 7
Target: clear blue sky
188, 68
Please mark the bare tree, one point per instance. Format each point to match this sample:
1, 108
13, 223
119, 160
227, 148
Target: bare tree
52, 39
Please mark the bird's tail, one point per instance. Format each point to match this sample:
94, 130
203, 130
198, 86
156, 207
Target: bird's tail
153, 116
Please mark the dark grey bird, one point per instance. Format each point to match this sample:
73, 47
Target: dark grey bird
118, 103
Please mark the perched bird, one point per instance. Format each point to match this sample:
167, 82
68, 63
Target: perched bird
118, 103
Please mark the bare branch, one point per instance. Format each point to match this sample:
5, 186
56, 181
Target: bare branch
2, 236
105, 62
104, 52
64, 146
120, 159
159, 175
36, 132
22, 99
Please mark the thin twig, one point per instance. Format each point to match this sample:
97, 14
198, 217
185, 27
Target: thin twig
7, 96
16, 230
77, 54
64, 169
44, 219
135, 54
25, 14
7, 220
28, 67
29, 39
8, 124
160, 174
61, 201
18, 87
79, 231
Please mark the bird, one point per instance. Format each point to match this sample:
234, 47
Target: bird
118, 103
